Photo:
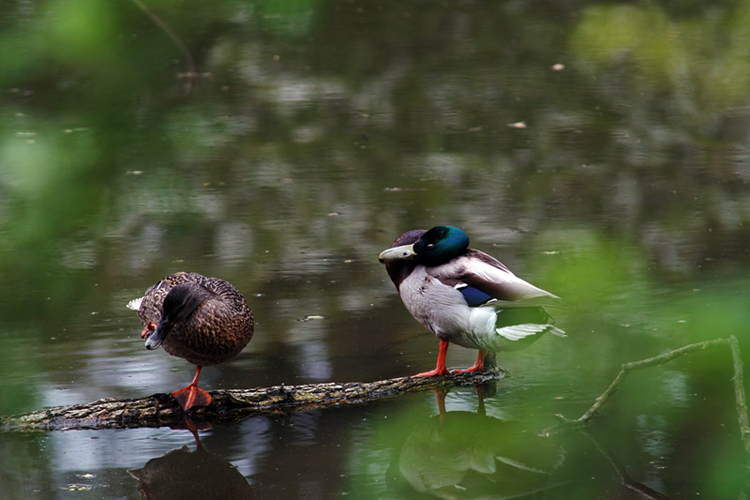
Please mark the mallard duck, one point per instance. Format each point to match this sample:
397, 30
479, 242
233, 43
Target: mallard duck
465, 296
203, 320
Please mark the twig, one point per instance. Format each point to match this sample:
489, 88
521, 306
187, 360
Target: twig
738, 378
185, 52
739, 392
626, 480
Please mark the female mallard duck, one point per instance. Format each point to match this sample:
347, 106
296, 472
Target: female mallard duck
203, 320
465, 296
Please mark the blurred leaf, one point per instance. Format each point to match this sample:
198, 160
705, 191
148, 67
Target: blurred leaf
584, 268
80, 30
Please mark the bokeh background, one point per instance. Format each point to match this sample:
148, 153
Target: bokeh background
601, 150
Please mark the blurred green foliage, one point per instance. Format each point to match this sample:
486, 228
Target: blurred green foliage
598, 149
705, 56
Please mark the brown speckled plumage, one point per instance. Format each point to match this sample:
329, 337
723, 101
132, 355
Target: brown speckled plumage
215, 332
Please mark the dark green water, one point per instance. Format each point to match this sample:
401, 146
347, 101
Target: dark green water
601, 151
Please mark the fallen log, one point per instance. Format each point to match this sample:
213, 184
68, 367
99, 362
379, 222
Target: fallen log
228, 405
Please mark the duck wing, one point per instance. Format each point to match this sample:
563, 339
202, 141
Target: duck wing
482, 279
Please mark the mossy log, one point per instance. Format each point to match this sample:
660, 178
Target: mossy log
229, 405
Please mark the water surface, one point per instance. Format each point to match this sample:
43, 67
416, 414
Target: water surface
597, 149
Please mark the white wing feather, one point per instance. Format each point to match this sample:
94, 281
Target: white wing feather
487, 274
135, 304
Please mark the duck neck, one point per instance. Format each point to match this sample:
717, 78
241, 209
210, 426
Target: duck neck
399, 270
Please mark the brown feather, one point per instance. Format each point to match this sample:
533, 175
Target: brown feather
215, 332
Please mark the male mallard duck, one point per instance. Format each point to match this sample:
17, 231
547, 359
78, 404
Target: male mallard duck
465, 296
203, 320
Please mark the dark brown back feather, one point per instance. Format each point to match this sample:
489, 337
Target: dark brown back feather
217, 330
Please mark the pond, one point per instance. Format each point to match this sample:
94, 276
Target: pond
601, 150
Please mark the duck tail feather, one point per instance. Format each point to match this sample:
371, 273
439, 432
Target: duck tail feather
135, 304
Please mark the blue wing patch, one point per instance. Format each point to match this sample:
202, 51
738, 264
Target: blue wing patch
474, 297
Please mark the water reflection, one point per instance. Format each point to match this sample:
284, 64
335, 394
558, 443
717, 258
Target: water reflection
627, 193
623, 474
461, 454
185, 474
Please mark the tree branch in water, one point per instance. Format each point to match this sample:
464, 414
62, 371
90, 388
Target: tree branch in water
738, 379
162, 410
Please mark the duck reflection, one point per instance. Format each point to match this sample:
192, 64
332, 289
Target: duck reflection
463, 455
185, 474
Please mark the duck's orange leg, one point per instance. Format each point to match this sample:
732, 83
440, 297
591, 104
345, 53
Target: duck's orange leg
192, 395
441, 393
440, 369
478, 365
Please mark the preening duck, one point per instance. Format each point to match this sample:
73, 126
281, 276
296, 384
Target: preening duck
203, 320
465, 296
